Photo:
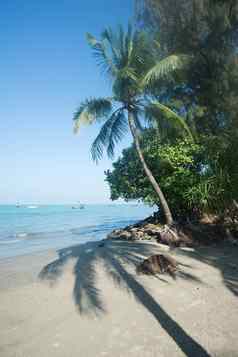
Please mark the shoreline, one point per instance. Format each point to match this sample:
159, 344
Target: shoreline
52, 227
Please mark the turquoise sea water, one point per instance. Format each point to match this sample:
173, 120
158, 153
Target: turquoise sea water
30, 229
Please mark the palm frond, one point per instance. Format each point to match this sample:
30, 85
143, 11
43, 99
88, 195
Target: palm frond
91, 110
119, 45
129, 43
127, 73
110, 134
165, 67
121, 41
123, 53
104, 60
118, 130
142, 56
155, 109
138, 114
110, 37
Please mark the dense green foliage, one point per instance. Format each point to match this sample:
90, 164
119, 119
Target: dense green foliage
194, 177
177, 167
207, 31
183, 171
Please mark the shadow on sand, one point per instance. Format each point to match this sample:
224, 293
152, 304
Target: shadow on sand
224, 257
115, 256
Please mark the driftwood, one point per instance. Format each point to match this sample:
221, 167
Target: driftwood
158, 264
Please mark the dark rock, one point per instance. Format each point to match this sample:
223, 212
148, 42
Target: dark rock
183, 234
152, 229
126, 235
115, 234
120, 234
137, 234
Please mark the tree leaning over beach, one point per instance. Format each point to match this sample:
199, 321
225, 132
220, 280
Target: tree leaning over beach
131, 63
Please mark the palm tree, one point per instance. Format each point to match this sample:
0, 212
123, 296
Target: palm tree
129, 60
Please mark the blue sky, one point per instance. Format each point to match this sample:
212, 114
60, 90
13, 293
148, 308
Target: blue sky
46, 69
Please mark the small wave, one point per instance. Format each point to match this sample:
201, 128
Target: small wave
21, 235
10, 241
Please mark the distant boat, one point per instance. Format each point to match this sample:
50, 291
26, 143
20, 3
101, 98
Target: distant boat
18, 205
80, 206
32, 207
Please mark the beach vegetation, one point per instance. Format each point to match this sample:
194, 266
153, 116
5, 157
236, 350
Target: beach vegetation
206, 91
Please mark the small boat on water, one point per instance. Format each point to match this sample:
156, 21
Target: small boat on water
18, 205
79, 206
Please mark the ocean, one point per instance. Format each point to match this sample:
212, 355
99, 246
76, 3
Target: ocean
28, 229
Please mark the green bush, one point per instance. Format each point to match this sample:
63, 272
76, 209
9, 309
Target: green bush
195, 178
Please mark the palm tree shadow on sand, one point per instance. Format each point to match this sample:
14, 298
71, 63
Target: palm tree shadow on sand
115, 256
224, 257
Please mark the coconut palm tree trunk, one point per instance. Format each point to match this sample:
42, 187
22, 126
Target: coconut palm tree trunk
163, 202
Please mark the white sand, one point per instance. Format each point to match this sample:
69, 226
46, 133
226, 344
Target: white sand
88, 302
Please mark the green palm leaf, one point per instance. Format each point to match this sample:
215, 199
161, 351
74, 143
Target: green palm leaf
104, 60
165, 67
91, 110
110, 134
156, 108
118, 131
129, 44
109, 36
127, 73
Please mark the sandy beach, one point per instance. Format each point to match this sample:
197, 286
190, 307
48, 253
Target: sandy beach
88, 301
